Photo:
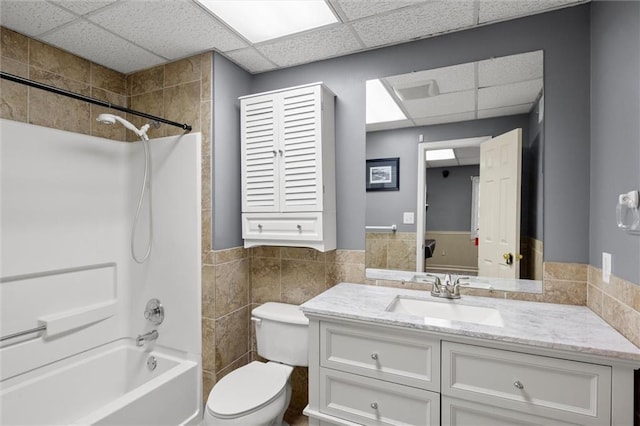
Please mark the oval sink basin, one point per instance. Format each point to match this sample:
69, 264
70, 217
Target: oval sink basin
446, 311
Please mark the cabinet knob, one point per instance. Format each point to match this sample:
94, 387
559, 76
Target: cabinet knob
518, 385
299, 227
374, 405
260, 226
281, 152
374, 356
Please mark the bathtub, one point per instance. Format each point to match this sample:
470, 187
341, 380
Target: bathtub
108, 385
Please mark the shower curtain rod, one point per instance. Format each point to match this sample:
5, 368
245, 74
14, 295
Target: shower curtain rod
27, 82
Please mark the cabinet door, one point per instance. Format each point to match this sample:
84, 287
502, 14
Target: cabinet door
259, 154
300, 149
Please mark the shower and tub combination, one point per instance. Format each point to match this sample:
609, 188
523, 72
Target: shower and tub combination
100, 311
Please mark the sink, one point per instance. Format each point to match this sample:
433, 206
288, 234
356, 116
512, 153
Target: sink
446, 311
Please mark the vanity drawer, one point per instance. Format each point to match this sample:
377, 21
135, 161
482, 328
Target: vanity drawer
373, 402
564, 390
394, 355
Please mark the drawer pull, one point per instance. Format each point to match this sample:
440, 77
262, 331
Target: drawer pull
518, 384
374, 356
299, 227
374, 405
260, 227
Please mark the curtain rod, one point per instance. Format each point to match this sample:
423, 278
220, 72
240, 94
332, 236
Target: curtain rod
27, 82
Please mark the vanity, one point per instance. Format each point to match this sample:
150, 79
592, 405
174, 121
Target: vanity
383, 356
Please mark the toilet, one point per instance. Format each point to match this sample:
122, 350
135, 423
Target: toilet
258, 393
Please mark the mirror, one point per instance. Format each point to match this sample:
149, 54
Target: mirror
455, 108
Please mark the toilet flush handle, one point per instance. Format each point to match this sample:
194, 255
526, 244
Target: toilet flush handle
258, 321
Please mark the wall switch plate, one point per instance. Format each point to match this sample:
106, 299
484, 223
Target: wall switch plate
606, 266
407, 218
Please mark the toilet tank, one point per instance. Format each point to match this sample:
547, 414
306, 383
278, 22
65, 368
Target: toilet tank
282, 333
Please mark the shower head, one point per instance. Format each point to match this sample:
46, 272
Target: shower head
111, 119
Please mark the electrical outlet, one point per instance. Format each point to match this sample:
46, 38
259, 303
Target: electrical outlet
606, 266
407, 218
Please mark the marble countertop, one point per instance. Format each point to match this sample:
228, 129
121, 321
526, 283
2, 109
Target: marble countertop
543, 325
499, 284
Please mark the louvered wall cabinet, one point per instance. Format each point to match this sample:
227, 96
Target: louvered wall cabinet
288, 168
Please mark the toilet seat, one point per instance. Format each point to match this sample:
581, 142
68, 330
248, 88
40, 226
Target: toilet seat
248, 389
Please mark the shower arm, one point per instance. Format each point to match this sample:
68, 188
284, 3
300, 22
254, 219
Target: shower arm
48, 88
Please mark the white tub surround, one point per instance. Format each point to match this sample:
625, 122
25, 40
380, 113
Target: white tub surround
541, 363
66, 210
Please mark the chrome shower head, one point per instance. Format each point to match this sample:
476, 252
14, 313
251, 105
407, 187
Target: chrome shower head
111, 119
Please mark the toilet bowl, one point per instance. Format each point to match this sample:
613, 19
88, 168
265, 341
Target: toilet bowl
258, 393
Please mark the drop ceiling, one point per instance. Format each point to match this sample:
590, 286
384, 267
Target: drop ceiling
130, 35
495, 87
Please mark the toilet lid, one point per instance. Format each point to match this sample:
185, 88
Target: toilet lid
247, 389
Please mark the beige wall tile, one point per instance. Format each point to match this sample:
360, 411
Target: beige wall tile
230, 255
207, 76
108, 79
183, 71
70, 114
206, 119
376, 253
594, 299
266, 251
350, 256
14, 46
302, 253
299, 389
265, 280
565, 271
208, 380
182, 104
151, 103
208, 291
232, 286
13, 96
206, 230
208, 341
242, 361
401, 254
59, 62
301, 280
149, 80
565, 292
115, 132
232, 337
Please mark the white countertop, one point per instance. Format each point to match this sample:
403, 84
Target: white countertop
542, 325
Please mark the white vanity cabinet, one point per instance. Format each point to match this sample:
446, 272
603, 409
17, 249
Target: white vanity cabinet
288, 168
374, 374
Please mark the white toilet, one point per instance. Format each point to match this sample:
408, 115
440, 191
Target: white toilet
258, 394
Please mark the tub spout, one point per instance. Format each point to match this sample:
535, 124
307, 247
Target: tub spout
147, 337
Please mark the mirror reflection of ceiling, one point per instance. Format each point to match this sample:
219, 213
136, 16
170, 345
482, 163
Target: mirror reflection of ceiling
131, 35
494, 87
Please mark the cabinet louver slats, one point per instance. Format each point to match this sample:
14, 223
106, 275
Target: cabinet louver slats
288, 168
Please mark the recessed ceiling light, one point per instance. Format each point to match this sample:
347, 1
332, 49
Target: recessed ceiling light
381, 107
260, 20
440, 154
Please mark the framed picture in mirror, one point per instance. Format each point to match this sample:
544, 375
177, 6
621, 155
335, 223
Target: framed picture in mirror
383, 174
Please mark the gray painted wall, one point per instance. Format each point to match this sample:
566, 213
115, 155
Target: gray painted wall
615, 131
386, 208
449, 198
229, 82
564, 37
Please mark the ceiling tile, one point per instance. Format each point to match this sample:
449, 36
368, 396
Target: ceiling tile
449, 118
374, 127
456, 78
81, 37
509, 94
356, 9
511, 69
83, 7
250, 59
448, 103
32, 18
467, 152
311, 46
170, 28
469, 161
504, 111
421, 21
495, 10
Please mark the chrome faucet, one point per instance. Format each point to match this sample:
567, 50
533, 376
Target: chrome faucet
147, 337
446, 290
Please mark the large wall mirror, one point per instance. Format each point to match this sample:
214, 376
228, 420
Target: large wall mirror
441, 124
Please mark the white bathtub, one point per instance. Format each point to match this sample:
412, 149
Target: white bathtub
108, 385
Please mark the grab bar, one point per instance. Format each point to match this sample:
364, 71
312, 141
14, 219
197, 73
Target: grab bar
392, 228
23, 333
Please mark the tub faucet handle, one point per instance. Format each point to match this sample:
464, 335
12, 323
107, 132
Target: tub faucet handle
154, 312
